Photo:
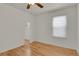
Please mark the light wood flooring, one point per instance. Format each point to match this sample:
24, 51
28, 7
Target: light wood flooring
23, 50
39, 49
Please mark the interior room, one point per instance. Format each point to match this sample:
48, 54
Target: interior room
39, 29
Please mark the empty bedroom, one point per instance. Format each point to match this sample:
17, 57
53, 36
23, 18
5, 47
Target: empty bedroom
39, 29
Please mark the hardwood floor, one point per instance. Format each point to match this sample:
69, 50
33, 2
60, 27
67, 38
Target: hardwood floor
23, 50
20, 51
39, 49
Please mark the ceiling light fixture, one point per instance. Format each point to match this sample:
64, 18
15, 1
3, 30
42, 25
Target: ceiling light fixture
31, 3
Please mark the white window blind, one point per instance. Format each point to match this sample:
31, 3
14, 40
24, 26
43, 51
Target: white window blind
59, 24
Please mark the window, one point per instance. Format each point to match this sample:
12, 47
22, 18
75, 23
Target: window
59, 24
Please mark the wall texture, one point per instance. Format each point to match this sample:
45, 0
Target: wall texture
12, 26
43, 27
78, 27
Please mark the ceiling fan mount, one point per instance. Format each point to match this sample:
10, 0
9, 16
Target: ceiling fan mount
38, 4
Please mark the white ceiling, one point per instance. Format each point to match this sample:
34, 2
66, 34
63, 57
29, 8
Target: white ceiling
36, 10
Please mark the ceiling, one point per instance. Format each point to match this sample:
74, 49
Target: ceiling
36, 10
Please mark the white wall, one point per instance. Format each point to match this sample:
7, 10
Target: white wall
12, 26
78, 27
43, 27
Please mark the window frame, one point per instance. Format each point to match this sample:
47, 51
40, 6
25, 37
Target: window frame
66, 27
